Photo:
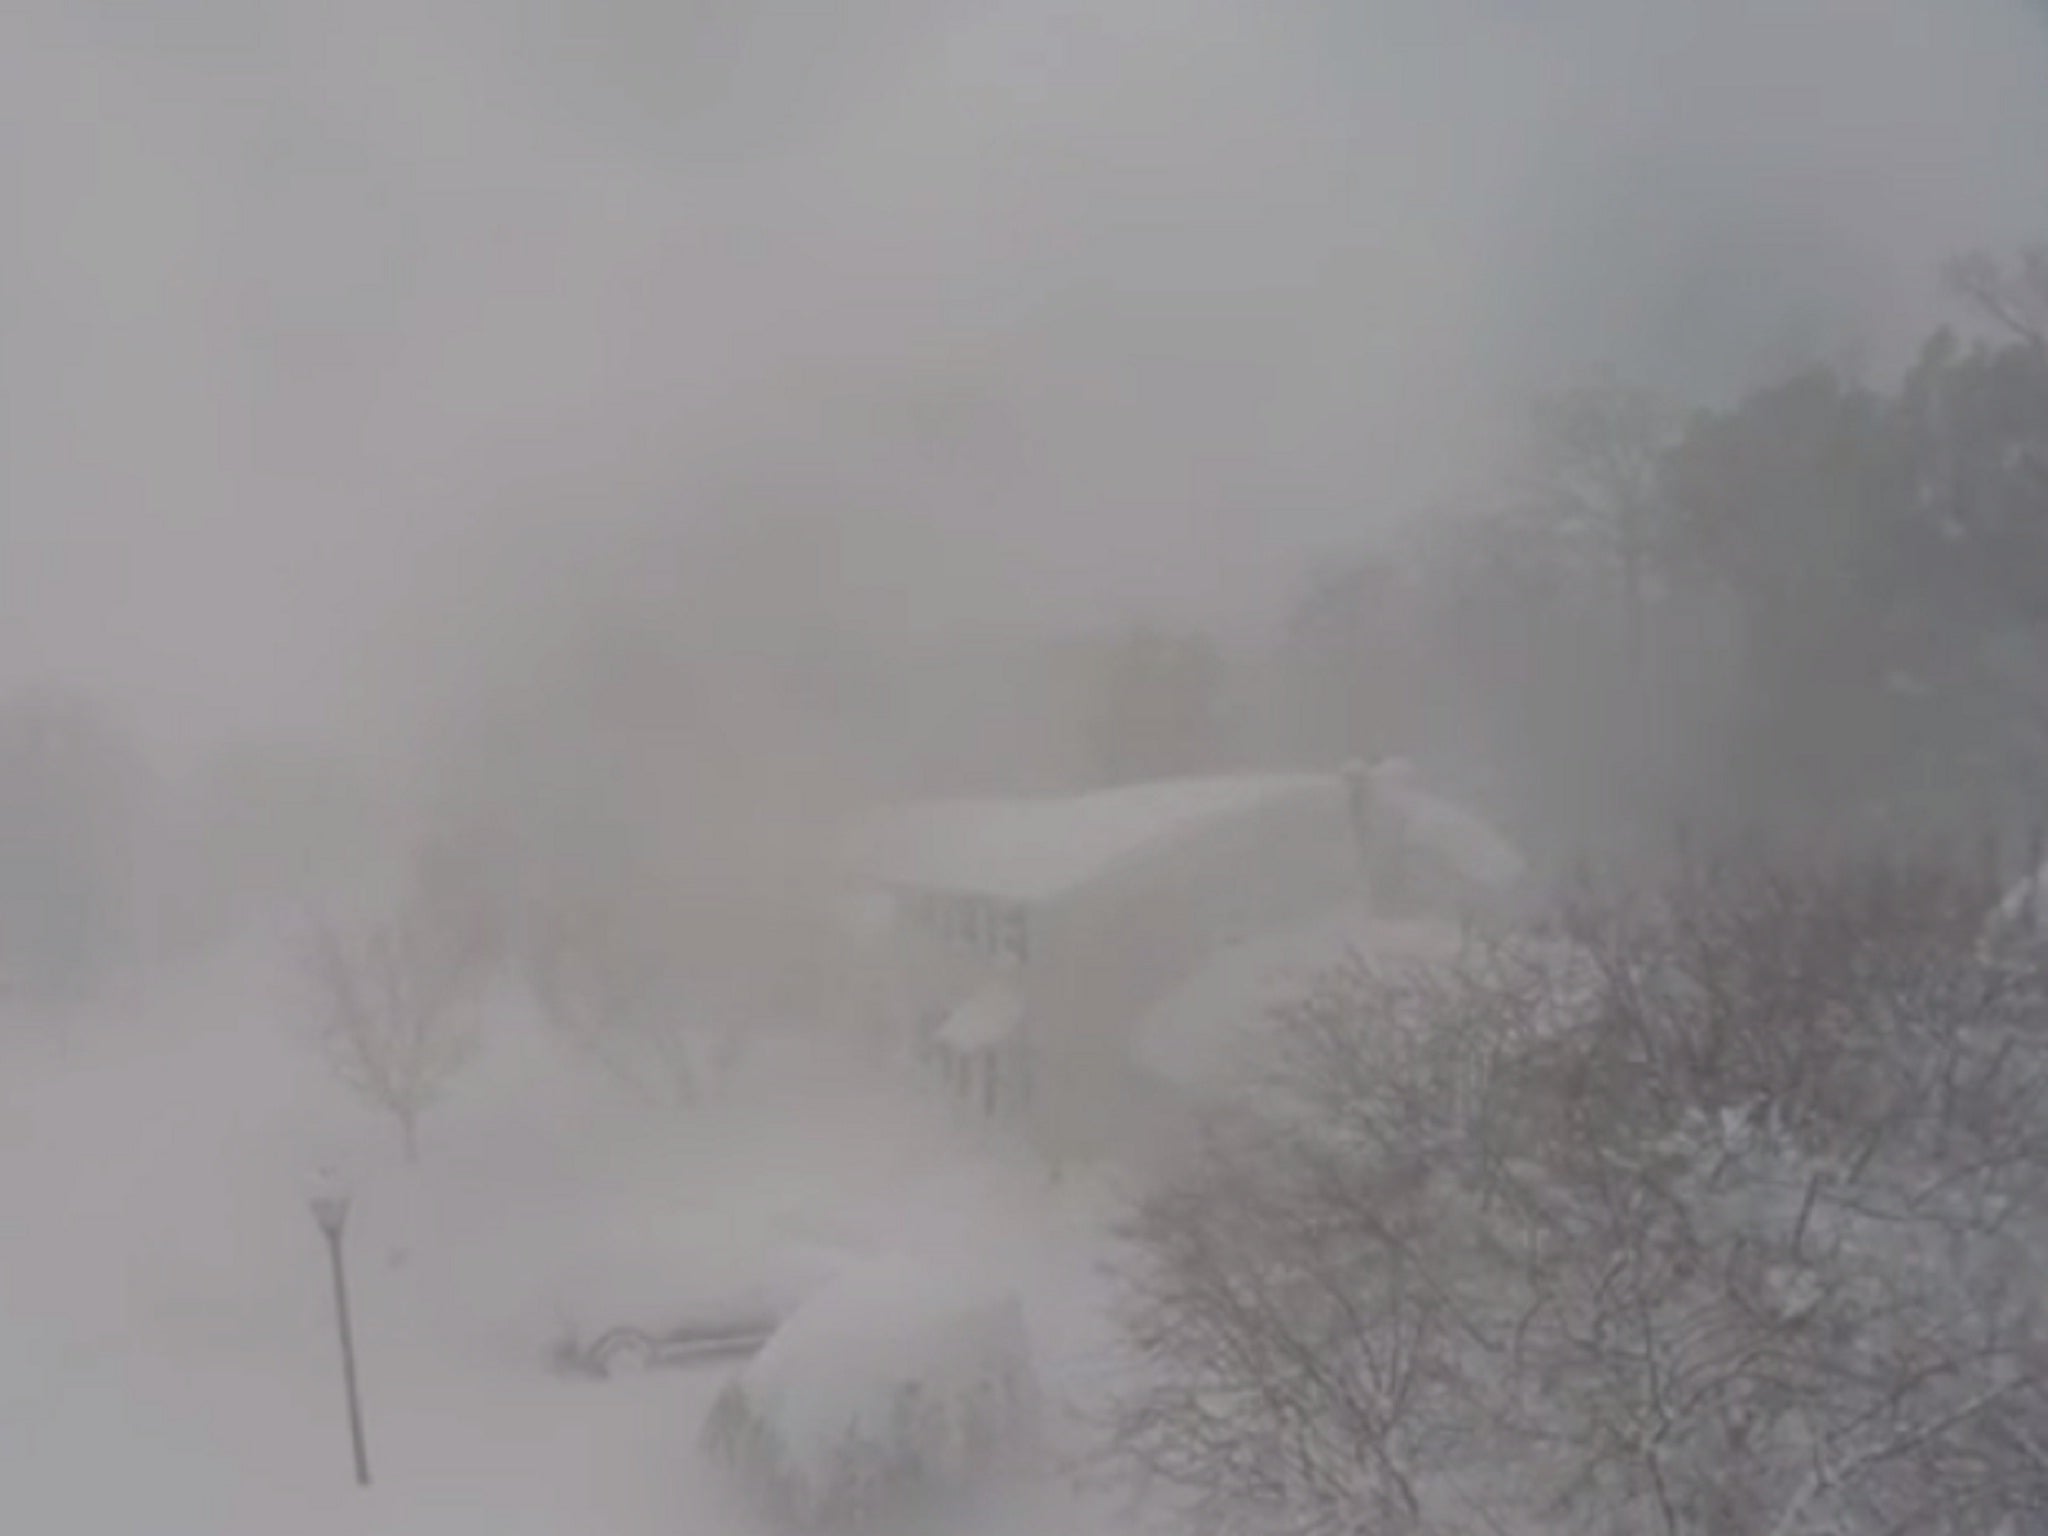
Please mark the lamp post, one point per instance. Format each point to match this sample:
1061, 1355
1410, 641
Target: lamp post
330, 1210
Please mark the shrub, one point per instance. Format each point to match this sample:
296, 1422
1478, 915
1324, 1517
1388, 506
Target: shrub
1724, 1218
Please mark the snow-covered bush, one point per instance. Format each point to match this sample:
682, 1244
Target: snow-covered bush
894, 1390
1742, 1236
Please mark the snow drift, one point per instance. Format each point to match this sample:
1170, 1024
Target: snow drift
894, 1389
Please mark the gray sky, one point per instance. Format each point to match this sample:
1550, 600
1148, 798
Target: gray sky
336, 332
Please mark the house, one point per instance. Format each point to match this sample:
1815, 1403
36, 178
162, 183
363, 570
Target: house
1022, 941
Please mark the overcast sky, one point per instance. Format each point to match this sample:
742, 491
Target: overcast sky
328, 326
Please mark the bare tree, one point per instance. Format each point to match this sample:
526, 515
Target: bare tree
1593, 473
2013, 297
608, 987
396, 996
1720, 1218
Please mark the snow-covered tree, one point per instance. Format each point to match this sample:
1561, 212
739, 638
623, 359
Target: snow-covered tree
606, 982
1725, 1223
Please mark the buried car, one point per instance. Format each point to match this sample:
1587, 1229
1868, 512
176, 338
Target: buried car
665, 1305
895, 1390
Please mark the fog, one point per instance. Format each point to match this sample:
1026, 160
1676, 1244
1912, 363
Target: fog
329, 331
495, 496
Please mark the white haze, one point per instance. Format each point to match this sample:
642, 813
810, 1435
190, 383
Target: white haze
342, 340
525, 470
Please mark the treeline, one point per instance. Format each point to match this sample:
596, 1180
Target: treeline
1818, 612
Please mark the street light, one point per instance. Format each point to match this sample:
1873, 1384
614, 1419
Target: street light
330, 1211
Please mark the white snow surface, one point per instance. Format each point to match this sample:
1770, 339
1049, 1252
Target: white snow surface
1036, 849
168, 1361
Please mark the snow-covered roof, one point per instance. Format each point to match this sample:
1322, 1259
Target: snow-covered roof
1033, 849
985, 1020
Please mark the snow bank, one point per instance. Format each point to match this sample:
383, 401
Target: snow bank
895, 1385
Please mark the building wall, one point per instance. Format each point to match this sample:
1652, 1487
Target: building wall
1117, 946
1090, 964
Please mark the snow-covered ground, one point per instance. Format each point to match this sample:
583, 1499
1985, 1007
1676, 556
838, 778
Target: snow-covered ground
168, 1362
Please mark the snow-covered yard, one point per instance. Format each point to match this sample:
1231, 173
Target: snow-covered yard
167, 1355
